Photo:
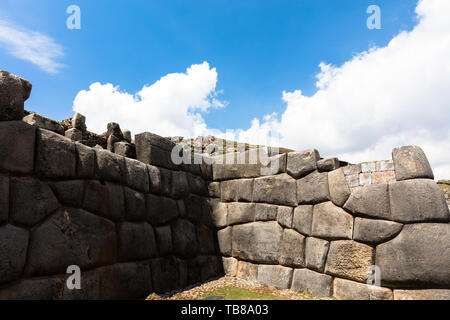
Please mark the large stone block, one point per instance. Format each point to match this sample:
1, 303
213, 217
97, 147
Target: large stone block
292, 249
331, 222
137, 175
375, 231
301, 163
79, 122
125, 149
154, 175
184, 239
257, 242
39, 121
312, 282
136, 241
206, 240
153, 149
70, 192
164, 240
350, 290
109, 166
302, 220
417, 200
166, 182
55, 155
265, 212
247, 271
410, 162
197, 185
13, 252
275, 276
34, 289
135, 205
214, 189
31, 201
316, 251
71, 236
237, 190
419, 255
423, 294
230, 266
349, 259
279, 189
14, 91
165, 274
371, 200
85, 159
224, 238
339, 189
160, 210
240, 213
180, 187
17, 152
4, 199
285, 216
195, 208
218, 213
113, 129
313, 188
328, 164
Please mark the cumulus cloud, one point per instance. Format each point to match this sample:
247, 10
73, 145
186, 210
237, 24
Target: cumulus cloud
31, 46
170, 106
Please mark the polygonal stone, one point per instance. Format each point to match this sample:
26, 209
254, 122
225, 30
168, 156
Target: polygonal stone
71, 237
195, 208
125, 149
265, 212
257, 241
153, 149
384, 165
240, 213
284, 216
4, 199
160, 210
79, 122
383, 177
109, 166
180, 187
410, 162
70, 192
247, 271
74, 134
230, 266
166, 181
237, 190
205, 239
350, 290
31, 201
114, 129
311, 282
301, 163
423, 294
279, 189
165, 274
154, 178
218, 213
85, 159
110, 142
184, 239
34, 289
13, 252
214, 189
137, 175
197, 185
164, 240
328, 164
127, 135
371, 200
135, 205
331, 222
136, 241
39, 121
224, 238
368, 167
275, 276
14, 91
313, 188
17, 139
353, 169
302, 220
292, 249
316, 251
349, 259
375, 231
339, 190
419, 255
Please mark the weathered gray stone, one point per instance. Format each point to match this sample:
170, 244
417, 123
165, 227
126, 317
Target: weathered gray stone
302, 220
153, 149
136, 241
384, 165
107, 201
71, 237
109, 166
218, 213
180, 187
292, 249
275, 276
154, 178
301, 163
247, 271
423, 294
417, 200
4, 199
285, 216
230, 266
195, 208
73, 134
312, 282
368, 167
14, 91
164, 240
331, 222
279, 189
237, 165
70, 192
339, 189
214, 189
137, 175
328, 164
135, 205
13, 252
205, 239
257, 241
160, 210
34, 289
125, 149
350, 290
419, 255
240, 213
410, 162
184, 239
85, 159
237, 190
197, 185
110, 142
127, 135
224, 238
79, 122
166, 181
114, 129
313, 188
349, 259
316, 251
370, 200
39, 121
17, 152
265, 212
353, 169
277, 164
375, 231
165, 274
31, 201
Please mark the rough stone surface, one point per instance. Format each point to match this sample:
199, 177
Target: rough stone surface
302, 162
85, 159
114, 129
69, 193
197, 185
279, 189
218, 213
316, 251
265, 212
214, 189
165, 274
224, 238
313, 188
195, 208
136, 241
420, 254
257, 241
230, 266
370, 200
275, 276
180, 187
110, 142
13, 252
312, 282
331, 222
240, 213
247, 271
44, 123
417, 201
74, 134
14, 91
127, 135
302, 220
237, 190
292, 249
160, 210
339, 189
34, 289
137, 175
79, 122
354, 169
17, 140
125, 149
153, 149
285, 216
166, 181
164, 240
328, 164
206, 241
154, 175
184, 238
410, 162
31, 201
423, 294
71, 237
375, 231
350, 260
350, 290
4, 199
109, 166
135, 205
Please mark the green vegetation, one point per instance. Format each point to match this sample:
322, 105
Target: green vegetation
232, 293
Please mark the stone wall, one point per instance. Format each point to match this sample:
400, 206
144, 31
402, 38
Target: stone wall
171, 218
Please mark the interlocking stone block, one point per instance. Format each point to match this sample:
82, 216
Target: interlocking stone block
292, 249
230, 266
265, 212
137, 175
206, 240
338, 187
13, 252
240, 213
316, 251
350, 290
313, 188
218, 213
280, 189
165, 274
109, 166
214, 189
352, 169
34, 289
79, 122
14, 91
301, 163
4, 199
184, 239
180, 187
135, 205
154, 175
160, 210
224, 238
85, 159
383, 177
275, 276
410, 162
74, 134
237, 190
285, 216
331, 222
17, 140
312, 282
375, 231
328, 164
371, 200
125, 149
70, 192
302, 220
136, 241
164, 240
247, 271
44, 123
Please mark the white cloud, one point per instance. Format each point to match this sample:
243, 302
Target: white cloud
170, 106
31, 46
